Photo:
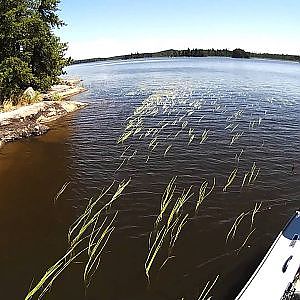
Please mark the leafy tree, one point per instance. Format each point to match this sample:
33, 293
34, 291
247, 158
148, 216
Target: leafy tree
27, 39
15, 77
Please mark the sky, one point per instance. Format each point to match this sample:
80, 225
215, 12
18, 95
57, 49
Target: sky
106, 28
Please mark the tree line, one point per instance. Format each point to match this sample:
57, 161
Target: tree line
236, 53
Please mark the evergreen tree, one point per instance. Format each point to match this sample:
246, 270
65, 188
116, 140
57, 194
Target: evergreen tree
30, 53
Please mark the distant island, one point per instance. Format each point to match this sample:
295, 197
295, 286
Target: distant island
236, 53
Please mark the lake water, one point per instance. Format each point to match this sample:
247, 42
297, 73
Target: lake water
200, 119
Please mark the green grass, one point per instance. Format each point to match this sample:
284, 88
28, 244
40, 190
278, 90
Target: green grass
89, 234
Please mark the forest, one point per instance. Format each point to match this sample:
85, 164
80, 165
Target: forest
236, 53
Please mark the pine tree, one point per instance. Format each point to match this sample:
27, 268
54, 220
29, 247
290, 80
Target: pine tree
30, 53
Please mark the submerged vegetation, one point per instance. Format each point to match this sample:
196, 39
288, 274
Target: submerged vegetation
87, 238
168, 225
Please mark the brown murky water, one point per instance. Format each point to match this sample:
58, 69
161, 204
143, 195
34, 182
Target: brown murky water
184, 97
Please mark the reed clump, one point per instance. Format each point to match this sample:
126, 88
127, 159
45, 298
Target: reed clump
87, 238
168, 225
232, 232
203, 194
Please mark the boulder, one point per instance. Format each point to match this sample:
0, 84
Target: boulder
29, 93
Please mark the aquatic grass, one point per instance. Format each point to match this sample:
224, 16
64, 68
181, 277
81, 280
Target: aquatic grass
167, 226
254, 179
251, 124
229, 118
233, 228
253, 175
177, 133
190, 113
79, 233
166, 124
229, 125
167, 150
137, 130
175, 233
230, 179
154, 146
123, 153
166, 200
83, 218
200, 119
238, 114
207, 289
54, 271
96, 246
234, 127
155, 132
124, 136
191, 130
203, 194
239, 219
153, 251
181, 200
180, 119
237, 157
149, 131
255, 211
235, 137
152, 142
245, 241
132, 155
83, 222
166, 261
61, 191
161, 237
204, 136
184, 124
121, 164
244, 179
191, 139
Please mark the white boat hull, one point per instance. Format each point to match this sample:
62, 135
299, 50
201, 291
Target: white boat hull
276, 273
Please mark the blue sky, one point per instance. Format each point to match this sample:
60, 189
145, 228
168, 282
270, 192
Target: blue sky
113, 27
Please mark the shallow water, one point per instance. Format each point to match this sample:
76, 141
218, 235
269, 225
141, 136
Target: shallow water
185, 97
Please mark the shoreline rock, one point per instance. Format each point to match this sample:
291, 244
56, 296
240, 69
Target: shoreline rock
29, 120
66, 89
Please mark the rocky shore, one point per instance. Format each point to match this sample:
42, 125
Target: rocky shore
66, 89
33, 119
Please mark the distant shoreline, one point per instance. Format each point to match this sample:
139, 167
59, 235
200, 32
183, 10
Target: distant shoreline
190, 53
